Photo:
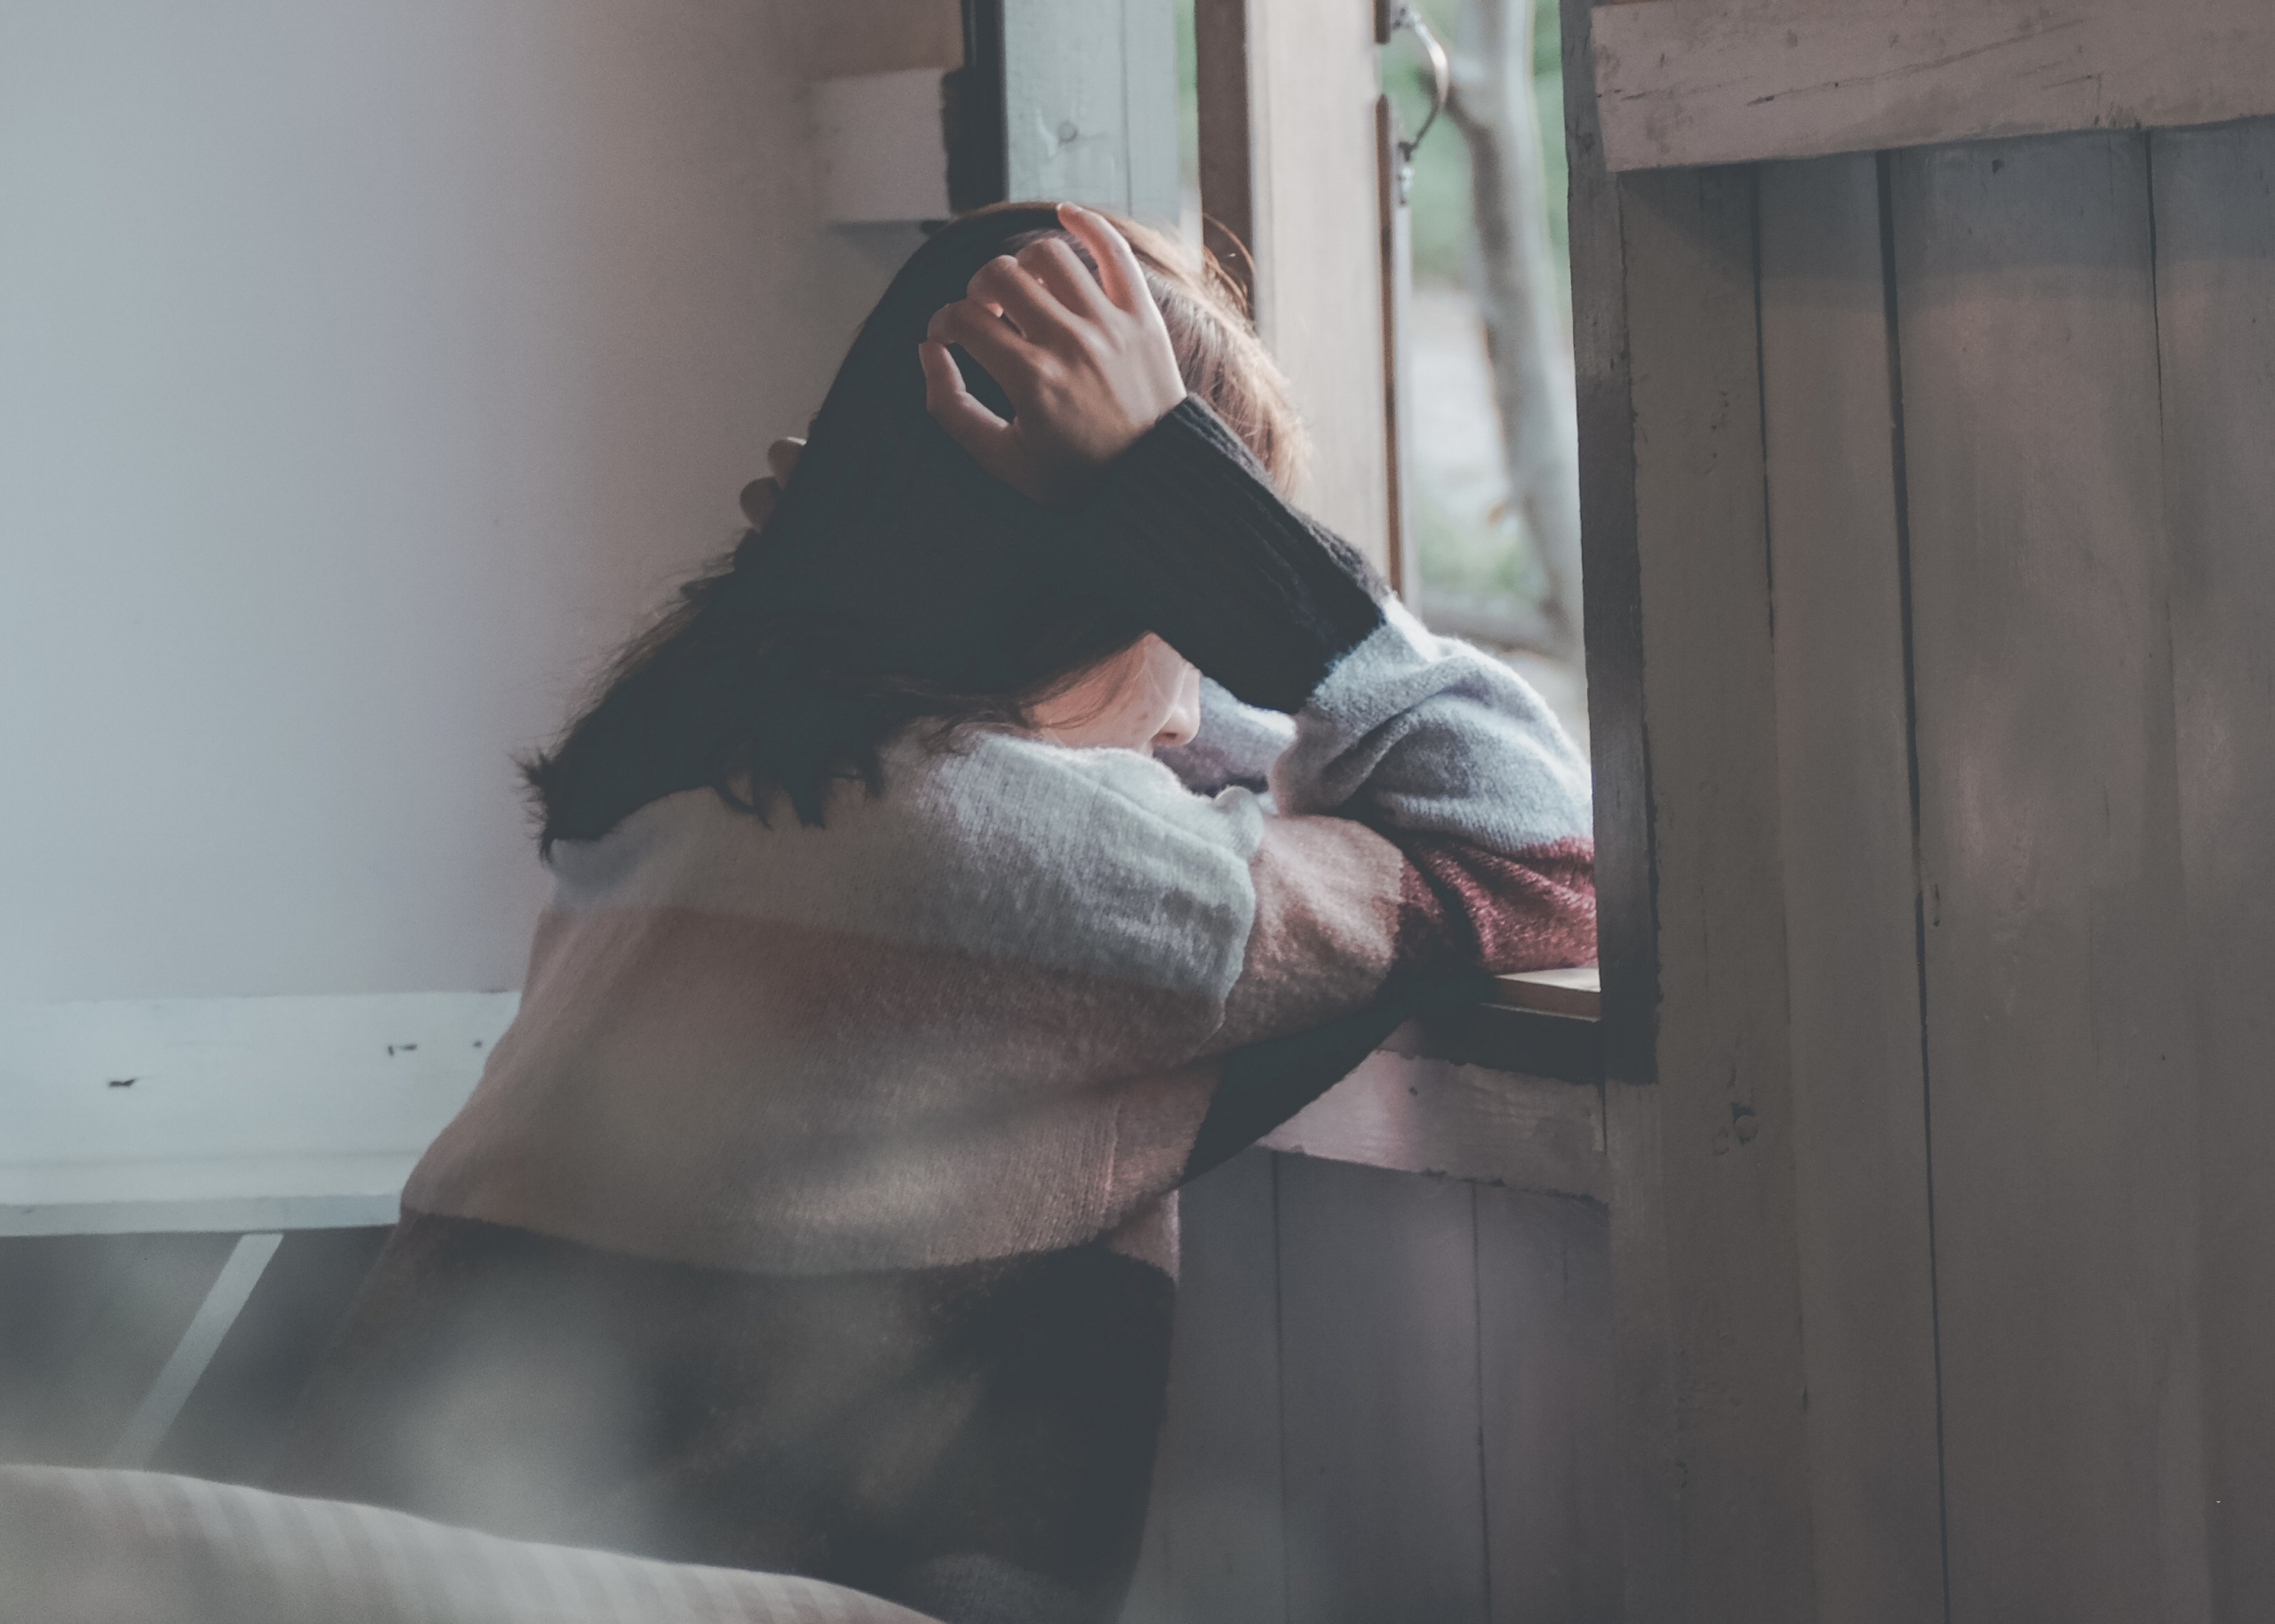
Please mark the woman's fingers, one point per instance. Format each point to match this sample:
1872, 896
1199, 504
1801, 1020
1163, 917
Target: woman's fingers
1053, 262
1031, 307
1118, 270
968, 422
991, 341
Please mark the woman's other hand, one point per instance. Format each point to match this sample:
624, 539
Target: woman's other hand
759, 496
1085, 360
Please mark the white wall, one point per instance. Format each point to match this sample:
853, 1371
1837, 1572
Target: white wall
366, 368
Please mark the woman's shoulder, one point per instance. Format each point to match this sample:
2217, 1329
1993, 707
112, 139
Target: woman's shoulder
991, 844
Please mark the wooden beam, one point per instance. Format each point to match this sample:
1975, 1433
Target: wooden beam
1464, 1122
1688, 82
1647, 1495
1698, 1109
1527, 1042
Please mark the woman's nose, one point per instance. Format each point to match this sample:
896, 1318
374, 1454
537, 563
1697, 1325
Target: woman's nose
1184, 720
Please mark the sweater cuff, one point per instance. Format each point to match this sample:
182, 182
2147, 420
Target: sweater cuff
1251, 591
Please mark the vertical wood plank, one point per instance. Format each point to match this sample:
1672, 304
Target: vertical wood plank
1860, 1148
2216, 295
1543, 1309
1213, 1543
1313, 81
1090, 103
1648, 1491
1227, 155
1150, 94
1646, 1356
1379, 1386
2065, 1123
1722, 1142
1626, 939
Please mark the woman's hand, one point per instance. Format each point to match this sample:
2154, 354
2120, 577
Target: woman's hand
1085, 360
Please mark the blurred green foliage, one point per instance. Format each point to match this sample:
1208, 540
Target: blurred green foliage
1440, 191
1442, 215
1482, 559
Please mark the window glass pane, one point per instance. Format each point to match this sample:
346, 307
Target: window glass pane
1493, 550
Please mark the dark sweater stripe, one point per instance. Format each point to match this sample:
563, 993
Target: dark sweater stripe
1248, 589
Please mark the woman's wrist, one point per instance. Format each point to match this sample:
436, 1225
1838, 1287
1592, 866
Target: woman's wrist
1248, 589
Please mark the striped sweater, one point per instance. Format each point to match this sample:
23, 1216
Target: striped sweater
818, 1212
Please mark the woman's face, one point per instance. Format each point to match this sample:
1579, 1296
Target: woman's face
1148, 694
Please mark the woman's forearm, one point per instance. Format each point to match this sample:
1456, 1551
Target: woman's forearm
1256, 595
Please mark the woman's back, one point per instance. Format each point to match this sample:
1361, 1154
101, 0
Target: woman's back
818, 1211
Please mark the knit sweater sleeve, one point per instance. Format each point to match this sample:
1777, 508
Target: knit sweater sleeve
1186, 527
1413, 745
1430, 819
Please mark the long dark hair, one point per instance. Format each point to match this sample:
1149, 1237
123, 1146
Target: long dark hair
894, 582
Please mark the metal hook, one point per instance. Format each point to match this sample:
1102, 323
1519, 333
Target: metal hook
1442, 87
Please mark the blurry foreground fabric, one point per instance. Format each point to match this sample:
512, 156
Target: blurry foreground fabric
80, 1547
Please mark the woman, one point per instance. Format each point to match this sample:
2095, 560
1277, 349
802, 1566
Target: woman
817, 1213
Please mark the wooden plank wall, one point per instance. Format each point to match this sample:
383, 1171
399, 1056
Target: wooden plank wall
1719, 1142
1851, 890
2216, 322
1287, 90
1985, 1333
2060, 1050
1389, 1398
1732, 81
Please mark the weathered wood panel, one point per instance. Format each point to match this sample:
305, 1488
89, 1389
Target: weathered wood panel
1647, 1496
1090, 103
1722, 1150
1379, 1391
1429, 1116
1213, 1543
2064, 1136
2216, 294
1860, 1141
1731, 80
1318, 293
1544, 1308
1525, 1042
1626, 945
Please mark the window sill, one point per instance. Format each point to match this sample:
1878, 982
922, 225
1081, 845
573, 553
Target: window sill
1540, 1023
